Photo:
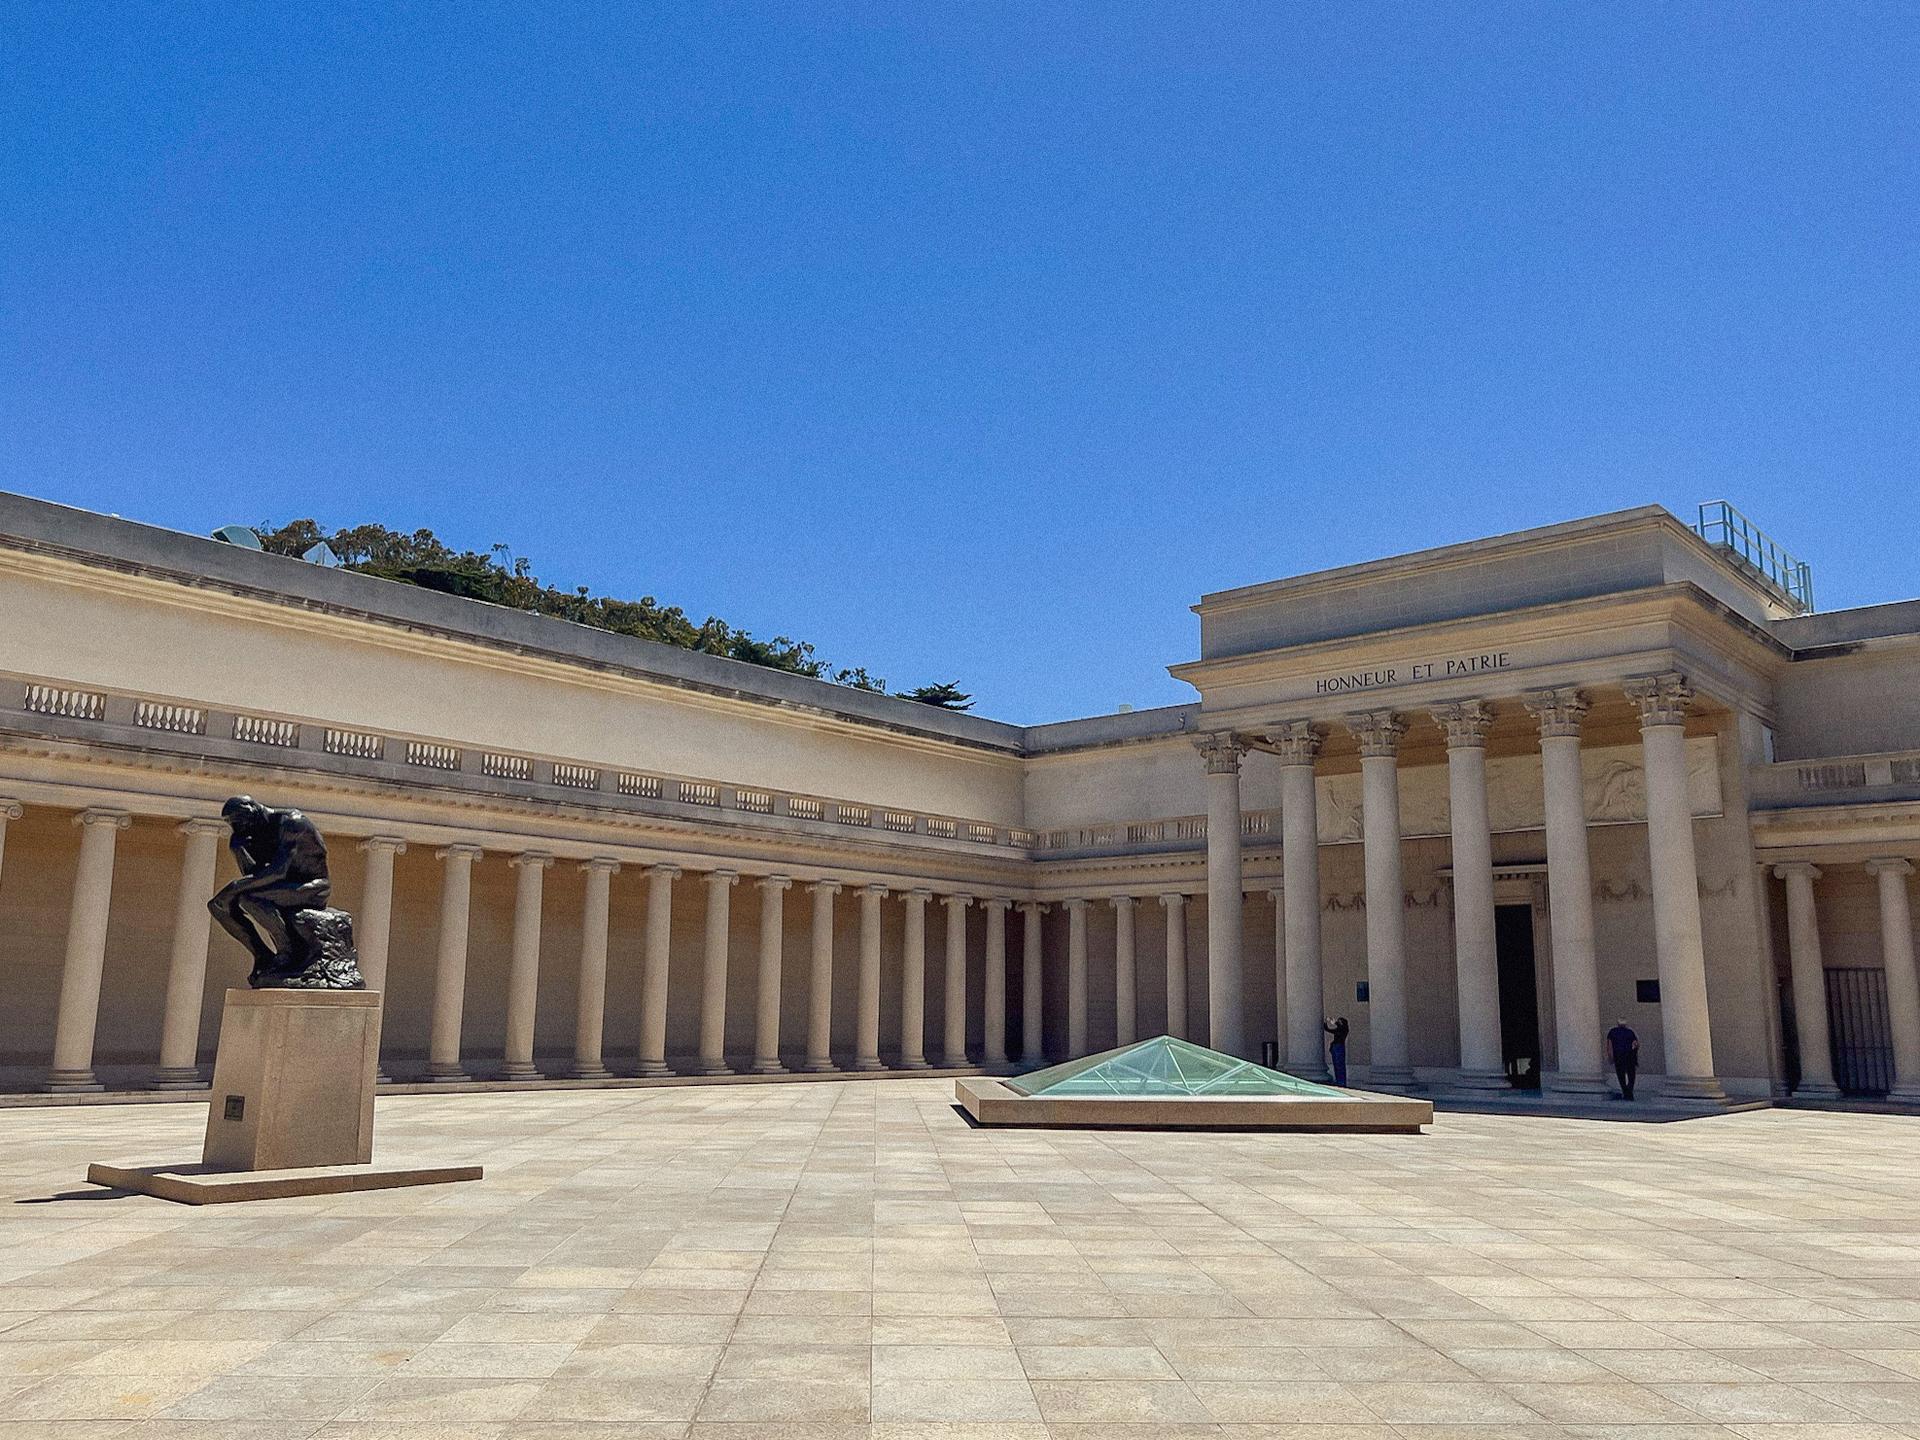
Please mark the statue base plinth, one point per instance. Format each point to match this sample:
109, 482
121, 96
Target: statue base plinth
293, 1080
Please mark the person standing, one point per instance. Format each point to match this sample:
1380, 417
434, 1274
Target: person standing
1337, 1049
1626, 1056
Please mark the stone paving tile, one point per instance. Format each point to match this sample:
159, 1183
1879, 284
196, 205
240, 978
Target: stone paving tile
851, 1261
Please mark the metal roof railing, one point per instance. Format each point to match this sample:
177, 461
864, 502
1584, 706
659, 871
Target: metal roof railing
1756, 552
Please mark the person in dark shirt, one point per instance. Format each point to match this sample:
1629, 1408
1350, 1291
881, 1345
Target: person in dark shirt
1337, 1050
1626, 1055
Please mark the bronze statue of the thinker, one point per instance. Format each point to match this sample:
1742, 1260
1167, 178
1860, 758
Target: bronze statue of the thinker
278, 907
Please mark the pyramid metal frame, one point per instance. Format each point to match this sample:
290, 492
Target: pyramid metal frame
1169, 1068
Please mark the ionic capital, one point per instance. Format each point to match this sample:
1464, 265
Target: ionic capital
1074, 906
1297, 742
11, 809
1559, 711
1892, 865
663, 872
601, 865
530, 859
1120, 902
876, 891
918, 896
956, 901
825, 887
1466, 723
1802, 869
199, 825
1173, 900
1033, 907
462, 851
1221, 751
118, 819
390, 844
721, 878
1663, 699
1378, 732
775, 882
997, 902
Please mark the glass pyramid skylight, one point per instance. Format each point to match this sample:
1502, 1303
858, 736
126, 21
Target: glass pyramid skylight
1165, 1066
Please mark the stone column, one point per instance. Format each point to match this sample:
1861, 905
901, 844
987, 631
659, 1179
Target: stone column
590, 1019
1125, 989
653, 970
1903, 989
1576, 972
1176, 907
523, 972
712, 1059
1031, 1051
1279, 897
1076, 978
994, 1055
953, 1048
1379, 732
86, 952
1475, 946
766, 1019
1809, 983
187, 970
10, 809
450, 967
820, 979
1297, 746
373, 926
1684, 1017
1225, 965
866, 1018
913, 983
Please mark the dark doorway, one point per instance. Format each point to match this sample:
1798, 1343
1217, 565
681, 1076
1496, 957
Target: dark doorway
1859, 1031
1519, 995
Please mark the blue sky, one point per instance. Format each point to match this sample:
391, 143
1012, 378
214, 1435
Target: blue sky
968, 341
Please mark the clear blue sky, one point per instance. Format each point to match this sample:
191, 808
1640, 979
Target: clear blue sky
968, 341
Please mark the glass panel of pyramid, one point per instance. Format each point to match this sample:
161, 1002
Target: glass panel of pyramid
1168, 1067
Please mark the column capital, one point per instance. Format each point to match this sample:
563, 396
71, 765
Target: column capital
1792, 869
1075, 905
664, 872
1664, 699
775, 882
825, 887
199, 825
11, 809
721, 877
601, 865
1378, 732
1559, 711
1466, 723
392, 844
460, 851
531, 859
1119, 900
1890, 865
1172, 898
876, 890
919, 895
118, 819
1297, 742
996, 902
1033, 907
962, 901
1221, 751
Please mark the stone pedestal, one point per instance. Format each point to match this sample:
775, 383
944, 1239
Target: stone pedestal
293, 1080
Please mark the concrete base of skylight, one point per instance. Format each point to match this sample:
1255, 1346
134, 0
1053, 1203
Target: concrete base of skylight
993, 1102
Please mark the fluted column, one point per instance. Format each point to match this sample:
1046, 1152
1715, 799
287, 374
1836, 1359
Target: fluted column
79, 1011
1031, 1051
1903, 988
1125, 987
373, 926
820, 979
866, 1017
1297, 747
450, 966
766, 1019
953, 1048
1278, 895
1379, 732
1076, 978
1576, 972
1226, 990
1176, 908
523, 971
1475, 942
654, 973
590, 1018
712, 1059
187, 970
1809, 983
1685, 1021
994, 1055
913, 983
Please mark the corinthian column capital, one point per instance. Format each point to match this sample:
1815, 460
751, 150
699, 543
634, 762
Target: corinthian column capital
1559, 711
1663, 699
1297, 742
1222, 751
1378, 732
1466, 723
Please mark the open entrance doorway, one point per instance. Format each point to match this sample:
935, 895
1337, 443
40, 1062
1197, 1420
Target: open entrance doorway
1519, 995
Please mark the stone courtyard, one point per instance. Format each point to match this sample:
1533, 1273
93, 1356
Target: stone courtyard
852, 1258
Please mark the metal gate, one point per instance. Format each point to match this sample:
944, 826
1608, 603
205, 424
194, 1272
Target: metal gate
1858, 1028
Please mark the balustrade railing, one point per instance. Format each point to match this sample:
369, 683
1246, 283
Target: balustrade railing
256, 731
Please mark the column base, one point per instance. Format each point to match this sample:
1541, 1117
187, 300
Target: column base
913, 1062
73, 1082
592, 1070
1691, 1087
1312, 1074
178, 1077
768, 1067
1816, 1090
520, 1070
955, 1062
1390, 1077
1482, 1080
1562, 1082
818, 1065
995, 1064
648, 1069
709, 1067
868, 1062
445, 1072
1905, 1094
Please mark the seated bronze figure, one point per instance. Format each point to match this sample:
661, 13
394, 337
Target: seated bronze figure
278, 907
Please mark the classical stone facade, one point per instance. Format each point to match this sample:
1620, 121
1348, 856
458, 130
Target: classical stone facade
1483, 801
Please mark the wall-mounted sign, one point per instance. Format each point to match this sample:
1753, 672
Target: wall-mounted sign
1409, 674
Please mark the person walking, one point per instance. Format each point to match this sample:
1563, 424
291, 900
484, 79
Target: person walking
1626, 1056
1337, 1050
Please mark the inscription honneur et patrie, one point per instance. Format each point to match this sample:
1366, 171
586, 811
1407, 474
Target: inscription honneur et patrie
1409, 674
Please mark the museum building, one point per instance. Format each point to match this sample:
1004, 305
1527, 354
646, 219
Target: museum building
1483, 801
